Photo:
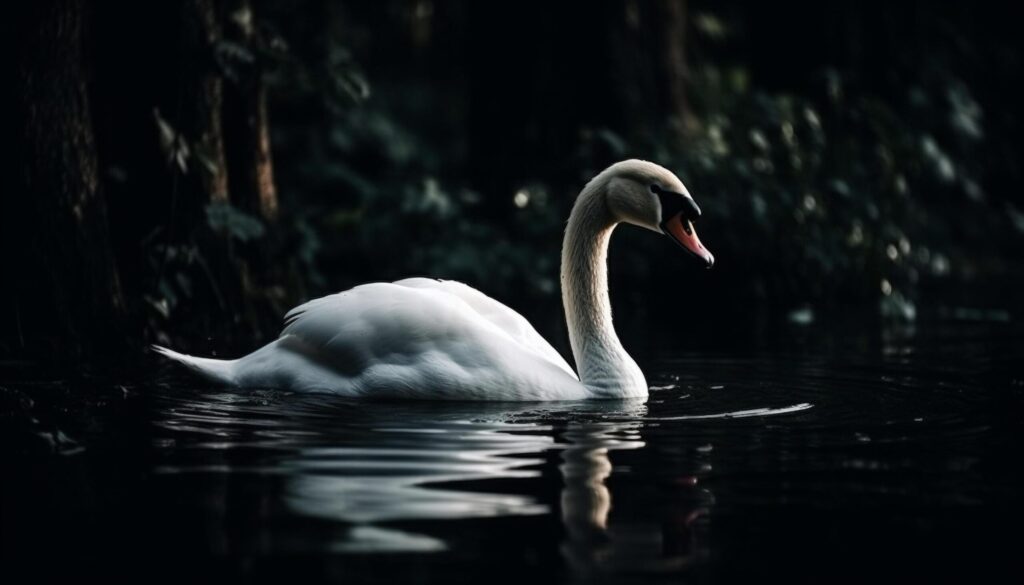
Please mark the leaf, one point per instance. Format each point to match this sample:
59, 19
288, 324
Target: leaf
204, 155
226, 219
172, 144
181, 154
235, 61
160, 305
166, 133
345, 82
351, 85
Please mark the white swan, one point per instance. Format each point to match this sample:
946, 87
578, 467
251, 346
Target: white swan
421, 338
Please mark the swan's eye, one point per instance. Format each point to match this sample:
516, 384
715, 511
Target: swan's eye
655, 189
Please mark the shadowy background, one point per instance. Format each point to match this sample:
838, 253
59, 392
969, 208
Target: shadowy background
185, 172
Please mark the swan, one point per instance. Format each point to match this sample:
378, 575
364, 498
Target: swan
422, 338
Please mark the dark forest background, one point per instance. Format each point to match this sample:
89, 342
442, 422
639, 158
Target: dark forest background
186, 171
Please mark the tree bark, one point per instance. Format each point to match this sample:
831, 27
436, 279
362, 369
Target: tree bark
66, 291
255, 191
201, 31
263, 168
677, 72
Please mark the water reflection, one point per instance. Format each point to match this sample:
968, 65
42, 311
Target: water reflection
404, 477
586, 500
659, 533
881, 451
372, 470
602, 488
369, 466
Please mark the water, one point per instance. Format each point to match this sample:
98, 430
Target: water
893, 457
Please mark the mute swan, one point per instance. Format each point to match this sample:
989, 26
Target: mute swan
422, 338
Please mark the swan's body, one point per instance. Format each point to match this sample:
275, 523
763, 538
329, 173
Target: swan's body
402, 339
422, 338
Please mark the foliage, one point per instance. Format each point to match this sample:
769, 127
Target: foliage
225, 219
836, 193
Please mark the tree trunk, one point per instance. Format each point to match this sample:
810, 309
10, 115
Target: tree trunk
254, 191
65, 285
201, 31
263, 168
677, 73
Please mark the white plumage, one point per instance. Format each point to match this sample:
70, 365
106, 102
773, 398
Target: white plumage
423, 338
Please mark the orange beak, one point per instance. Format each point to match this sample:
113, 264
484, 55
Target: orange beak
681, 230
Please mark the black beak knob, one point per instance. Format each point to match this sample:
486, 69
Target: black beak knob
673, 202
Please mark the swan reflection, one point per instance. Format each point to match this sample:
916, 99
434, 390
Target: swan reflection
586, 499
601, 541
371, 469
371, 485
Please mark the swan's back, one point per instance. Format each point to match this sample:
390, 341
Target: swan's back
504, 318
415, 338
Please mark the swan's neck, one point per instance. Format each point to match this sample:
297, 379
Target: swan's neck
604, 366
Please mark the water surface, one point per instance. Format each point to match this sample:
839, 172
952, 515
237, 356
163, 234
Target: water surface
887, 459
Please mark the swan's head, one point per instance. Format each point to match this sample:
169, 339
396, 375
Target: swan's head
650, 196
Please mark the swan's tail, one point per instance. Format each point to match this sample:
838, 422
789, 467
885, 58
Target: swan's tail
222, 371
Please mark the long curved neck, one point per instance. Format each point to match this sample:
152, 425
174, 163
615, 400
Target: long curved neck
603, 365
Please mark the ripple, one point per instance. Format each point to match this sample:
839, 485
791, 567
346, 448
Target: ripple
737, 413
727, 431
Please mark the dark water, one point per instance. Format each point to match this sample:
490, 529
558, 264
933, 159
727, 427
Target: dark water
890, 457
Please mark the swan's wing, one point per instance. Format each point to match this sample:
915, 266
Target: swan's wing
389, 322
503, 317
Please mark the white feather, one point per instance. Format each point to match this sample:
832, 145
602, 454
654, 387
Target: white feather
423, 338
